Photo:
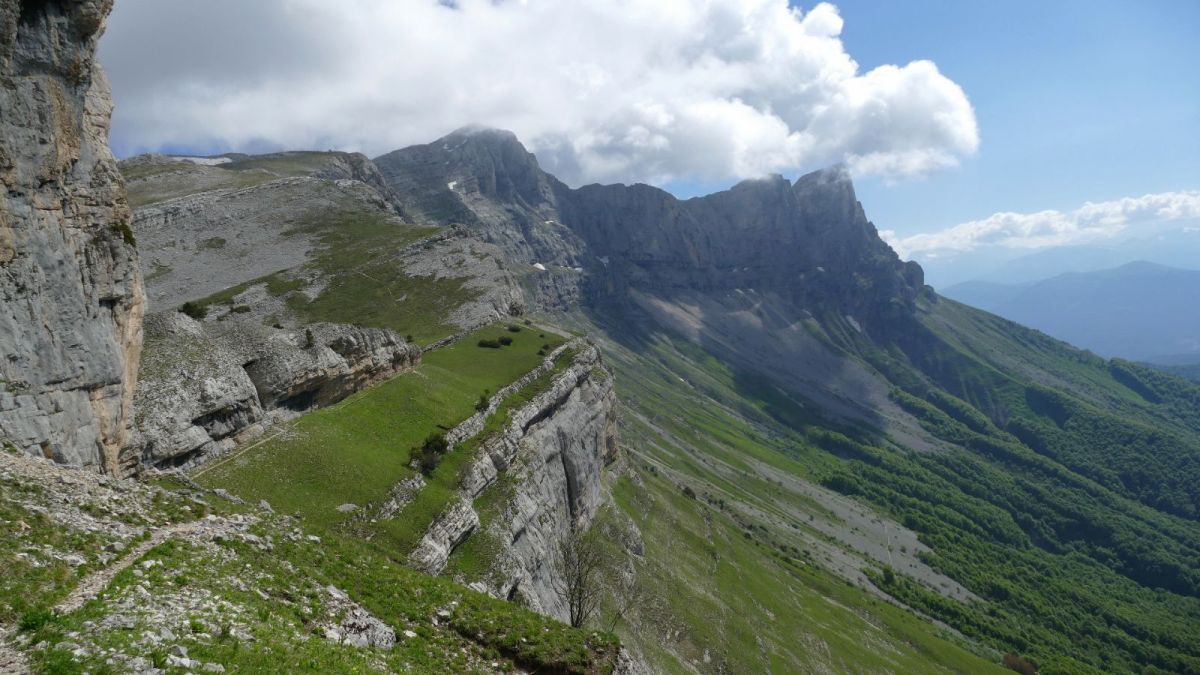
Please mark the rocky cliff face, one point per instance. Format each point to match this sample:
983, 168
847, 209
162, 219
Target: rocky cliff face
807, 241
207, 387
779, 278
486, 180
71, 297
551, 456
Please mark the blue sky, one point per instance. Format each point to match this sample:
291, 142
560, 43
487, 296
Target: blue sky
1076, 101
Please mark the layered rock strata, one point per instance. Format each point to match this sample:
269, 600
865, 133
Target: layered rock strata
71, 298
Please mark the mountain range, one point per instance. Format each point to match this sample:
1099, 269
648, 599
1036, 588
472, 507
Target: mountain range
1141, 311
378, 411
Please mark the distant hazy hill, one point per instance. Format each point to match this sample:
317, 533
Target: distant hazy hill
1177, 248
1140, 310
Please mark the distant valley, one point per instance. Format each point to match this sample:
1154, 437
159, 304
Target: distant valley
1141, 311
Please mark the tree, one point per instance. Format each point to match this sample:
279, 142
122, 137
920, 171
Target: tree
579, 562
429, 455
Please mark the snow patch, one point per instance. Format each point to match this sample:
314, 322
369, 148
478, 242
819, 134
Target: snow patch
854, 322
203, 161
539, 266
451, 184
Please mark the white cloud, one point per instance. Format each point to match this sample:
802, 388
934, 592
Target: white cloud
608, 90
1091, 222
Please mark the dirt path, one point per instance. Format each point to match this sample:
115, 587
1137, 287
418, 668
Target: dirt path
11, 660
95, 583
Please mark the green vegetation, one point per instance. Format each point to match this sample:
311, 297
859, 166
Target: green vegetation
1067, 504
277, 283
405, 530
1190, 372
264, 610
126, 233
366, 287
353, 452
284, 164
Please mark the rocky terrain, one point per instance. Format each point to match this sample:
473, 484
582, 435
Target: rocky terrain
70, 286
551, 455
125, 576
205, 391
276, 257
821, 465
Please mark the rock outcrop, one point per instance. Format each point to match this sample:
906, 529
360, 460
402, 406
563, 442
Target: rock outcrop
71, 298
552, 453
207, 387
807, 241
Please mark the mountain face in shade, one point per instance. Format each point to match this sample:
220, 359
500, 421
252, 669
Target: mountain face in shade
809, 242
1138, 311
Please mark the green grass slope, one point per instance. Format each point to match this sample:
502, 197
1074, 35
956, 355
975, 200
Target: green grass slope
256, 599
1065, 500
733, 571
355, 451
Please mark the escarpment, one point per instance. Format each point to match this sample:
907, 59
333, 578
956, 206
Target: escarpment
531, 482
207, 388
71, 299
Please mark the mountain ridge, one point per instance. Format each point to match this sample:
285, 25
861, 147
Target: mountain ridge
1139, 310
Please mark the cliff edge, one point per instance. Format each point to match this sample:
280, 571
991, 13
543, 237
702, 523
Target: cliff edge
71, 299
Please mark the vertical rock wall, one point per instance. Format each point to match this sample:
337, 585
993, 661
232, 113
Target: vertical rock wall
71, 298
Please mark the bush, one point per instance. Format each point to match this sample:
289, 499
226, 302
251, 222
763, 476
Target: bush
240, 309
429, 455
194, 309
546, 347
689, 492
127, 234
489, 344
513, 328
35, 619
482, 403
1020, 664
505, 340
408, 338
308, 338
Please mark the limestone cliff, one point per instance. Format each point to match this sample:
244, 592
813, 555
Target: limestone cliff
71, 299
206, 387
547, 463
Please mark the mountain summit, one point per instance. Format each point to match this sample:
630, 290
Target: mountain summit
808, 242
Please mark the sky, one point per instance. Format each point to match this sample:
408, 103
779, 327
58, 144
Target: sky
976, 131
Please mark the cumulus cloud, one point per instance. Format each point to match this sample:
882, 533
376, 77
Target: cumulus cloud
1091, 222
610, 90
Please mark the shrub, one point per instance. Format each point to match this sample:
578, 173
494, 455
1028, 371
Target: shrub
429, 455
504, 340
489, 344
482, 403
513, 328
541, 352
122, 228
194, 309
35, 619
546, 347
1020, 664
240, 309
689, 492
308, 338
408, 338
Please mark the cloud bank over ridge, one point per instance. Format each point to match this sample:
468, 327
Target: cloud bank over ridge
1092, 222
610, 90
